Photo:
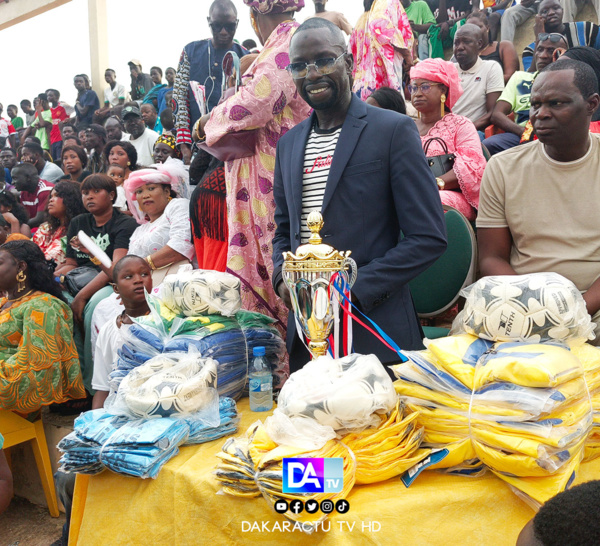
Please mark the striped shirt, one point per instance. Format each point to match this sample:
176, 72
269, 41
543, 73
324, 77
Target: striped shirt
581, 33
318, 157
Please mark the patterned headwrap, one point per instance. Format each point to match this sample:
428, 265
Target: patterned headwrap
440, 71
275, 6
171, 172
170, 141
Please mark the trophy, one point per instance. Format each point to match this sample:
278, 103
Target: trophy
308, 274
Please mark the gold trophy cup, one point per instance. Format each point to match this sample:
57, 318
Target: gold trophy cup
307, 274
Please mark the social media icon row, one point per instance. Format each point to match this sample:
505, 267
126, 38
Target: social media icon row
342, 506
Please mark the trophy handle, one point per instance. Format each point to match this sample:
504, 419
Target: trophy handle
353, 270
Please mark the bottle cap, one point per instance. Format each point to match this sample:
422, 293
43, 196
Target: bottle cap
258, 351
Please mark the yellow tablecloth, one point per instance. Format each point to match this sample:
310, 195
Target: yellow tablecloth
182, 507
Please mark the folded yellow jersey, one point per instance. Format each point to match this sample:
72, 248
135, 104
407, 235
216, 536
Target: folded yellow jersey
458, 355
528, 365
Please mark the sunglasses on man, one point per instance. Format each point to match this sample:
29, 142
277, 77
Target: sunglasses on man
322, 66
229, 27
554, 37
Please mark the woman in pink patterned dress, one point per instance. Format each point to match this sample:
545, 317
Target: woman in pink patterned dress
381, 42
435, 88
267, 102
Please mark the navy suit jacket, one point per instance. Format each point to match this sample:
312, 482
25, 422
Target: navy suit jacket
382, 203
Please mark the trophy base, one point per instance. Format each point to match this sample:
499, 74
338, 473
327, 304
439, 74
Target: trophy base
318, 348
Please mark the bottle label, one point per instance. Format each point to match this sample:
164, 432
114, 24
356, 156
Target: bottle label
260, 385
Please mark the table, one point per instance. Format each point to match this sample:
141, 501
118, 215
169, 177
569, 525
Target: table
182, 507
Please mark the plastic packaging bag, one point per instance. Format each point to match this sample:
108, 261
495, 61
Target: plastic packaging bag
173, 384
536, 307
202, 431
528, 365
345, 394
202, 292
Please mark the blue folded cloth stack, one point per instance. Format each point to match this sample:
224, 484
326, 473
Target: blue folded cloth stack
137, 447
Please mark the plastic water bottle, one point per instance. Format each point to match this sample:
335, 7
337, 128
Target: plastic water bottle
261, 382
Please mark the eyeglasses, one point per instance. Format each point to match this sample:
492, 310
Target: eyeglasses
554, 37
424, 87
229, 27
322, 66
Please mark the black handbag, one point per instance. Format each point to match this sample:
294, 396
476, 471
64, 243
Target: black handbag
78, 278
439, 164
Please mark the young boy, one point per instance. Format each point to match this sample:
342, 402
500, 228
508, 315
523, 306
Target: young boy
132, 275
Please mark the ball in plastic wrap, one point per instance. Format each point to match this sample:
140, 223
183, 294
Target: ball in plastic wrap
534, 308
170, 392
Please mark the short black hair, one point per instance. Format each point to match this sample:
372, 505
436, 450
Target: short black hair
43, 96
100, 181
12, 106
320, 23
149, 104
29, 168
223, 5
78, 150
390, 99
55, 91
34, 147
11, 150
249, 44
571, 517
73, 137
110, 70
121, 263
26, 101
34, 139
584, 79
157, 68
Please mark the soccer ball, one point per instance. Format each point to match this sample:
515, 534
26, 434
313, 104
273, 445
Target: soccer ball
181, 390
201, 292
534, 308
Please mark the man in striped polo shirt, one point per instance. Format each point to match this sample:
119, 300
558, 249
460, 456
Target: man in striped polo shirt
365, 170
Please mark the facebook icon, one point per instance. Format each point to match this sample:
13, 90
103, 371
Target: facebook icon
313, 475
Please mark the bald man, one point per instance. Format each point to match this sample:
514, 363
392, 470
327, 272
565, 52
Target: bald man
482, 81
202, 61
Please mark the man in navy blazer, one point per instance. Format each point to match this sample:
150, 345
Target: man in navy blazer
379, 197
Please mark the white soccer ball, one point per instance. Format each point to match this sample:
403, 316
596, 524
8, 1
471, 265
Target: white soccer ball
186, 389
533, 308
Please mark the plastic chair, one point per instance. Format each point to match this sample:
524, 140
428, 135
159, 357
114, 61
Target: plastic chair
17, 430
438, 288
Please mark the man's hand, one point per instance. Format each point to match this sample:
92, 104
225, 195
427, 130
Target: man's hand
284, 293
186, 153
539, 26
444, 30
78, 306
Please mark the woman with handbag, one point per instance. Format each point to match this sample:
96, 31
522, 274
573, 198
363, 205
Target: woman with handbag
38, 360
164, 237
450, 142
268, 105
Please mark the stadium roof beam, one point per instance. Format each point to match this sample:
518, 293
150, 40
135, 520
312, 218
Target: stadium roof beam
13, 12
